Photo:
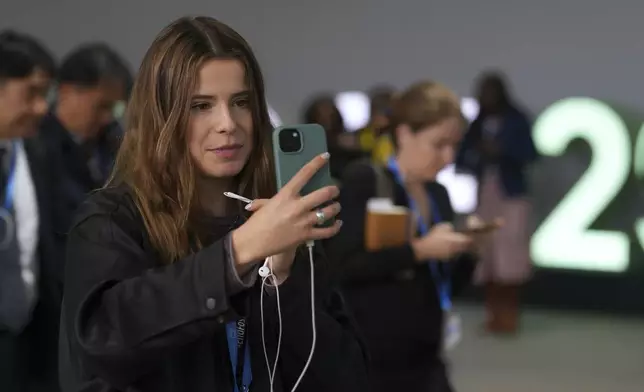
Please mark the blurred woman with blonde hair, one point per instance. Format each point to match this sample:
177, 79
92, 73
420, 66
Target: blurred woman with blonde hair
401, 295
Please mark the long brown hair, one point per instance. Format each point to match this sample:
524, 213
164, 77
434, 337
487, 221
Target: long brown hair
154, 160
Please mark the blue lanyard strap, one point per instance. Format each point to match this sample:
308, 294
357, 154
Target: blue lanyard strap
11, 177
441, 281
237, 341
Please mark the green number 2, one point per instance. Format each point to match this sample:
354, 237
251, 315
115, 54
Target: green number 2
563, 240
638, 168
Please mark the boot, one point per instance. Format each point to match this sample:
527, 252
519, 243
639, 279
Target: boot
509, 309
493, 308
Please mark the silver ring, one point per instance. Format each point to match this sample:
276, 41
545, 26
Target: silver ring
321, 218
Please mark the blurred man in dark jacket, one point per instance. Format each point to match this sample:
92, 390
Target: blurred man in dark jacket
81, 132
30, 268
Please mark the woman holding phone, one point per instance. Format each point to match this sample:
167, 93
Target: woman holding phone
401, 295
161, 276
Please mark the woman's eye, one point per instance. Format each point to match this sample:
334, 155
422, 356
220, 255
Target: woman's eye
201, 106
242, 103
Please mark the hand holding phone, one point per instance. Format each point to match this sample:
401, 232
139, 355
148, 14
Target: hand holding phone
476, 226
294, 146
441, 243
288, 219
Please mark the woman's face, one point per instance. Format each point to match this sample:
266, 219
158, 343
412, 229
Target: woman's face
429, 150
220, 130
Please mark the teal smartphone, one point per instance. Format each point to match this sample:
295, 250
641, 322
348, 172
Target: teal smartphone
293, 147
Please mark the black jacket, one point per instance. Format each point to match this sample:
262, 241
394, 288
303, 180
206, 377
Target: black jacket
76, 176
49, 254
33, 357
131, 323
393, 297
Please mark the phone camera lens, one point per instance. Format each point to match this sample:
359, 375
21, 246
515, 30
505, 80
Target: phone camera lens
290, 140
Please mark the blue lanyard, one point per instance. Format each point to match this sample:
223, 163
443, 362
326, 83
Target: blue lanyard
237, 340
441, 281
11, 179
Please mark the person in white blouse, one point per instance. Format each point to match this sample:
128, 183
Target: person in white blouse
30, 284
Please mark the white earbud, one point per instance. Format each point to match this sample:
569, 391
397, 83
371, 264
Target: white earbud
265, 270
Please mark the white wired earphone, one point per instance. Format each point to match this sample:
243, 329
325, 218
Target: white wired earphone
266, 273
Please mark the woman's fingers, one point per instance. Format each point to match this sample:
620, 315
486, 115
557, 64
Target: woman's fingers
304, 175
329, 212
452, 241
322, 233
474, 222
308, 202
319, 197
443, 227
458, 238
460, 242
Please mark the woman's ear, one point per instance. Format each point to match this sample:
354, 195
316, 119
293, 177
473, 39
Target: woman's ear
403, 135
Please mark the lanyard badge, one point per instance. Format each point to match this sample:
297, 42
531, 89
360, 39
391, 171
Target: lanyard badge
239, 352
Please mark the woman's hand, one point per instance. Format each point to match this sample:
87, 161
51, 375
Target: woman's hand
281, 262
474, 223
286, 220
441, 243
